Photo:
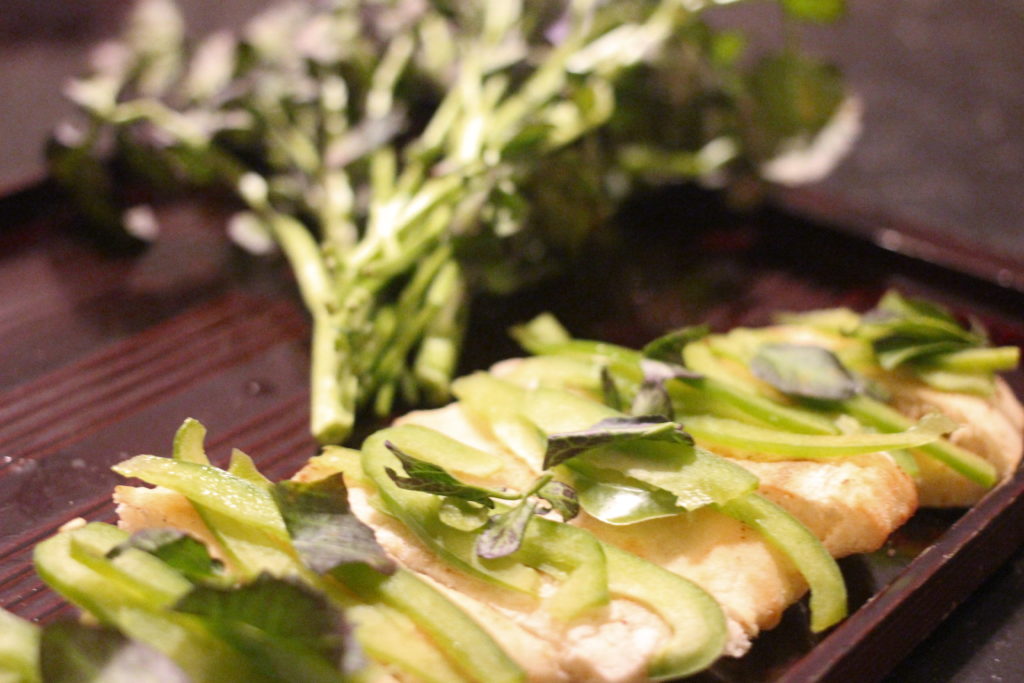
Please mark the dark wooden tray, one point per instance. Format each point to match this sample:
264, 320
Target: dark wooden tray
105, 355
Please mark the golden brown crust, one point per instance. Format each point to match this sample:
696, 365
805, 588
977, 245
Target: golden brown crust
990, 426
852, 504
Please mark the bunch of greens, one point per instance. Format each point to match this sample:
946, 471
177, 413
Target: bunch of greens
403, 154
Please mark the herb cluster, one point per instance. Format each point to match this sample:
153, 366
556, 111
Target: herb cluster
403, 154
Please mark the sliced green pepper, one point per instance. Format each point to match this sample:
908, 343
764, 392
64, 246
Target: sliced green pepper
468, 646
887, 419
242, 515
694, 617
19, 649
420, 511
716, 431
805, 551
180, 636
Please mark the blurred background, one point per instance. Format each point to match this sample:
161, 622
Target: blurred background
942, 145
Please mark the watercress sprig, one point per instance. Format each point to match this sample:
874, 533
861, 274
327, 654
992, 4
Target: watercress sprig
502, 530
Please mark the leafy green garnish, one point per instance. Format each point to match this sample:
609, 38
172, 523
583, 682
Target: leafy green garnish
71, 652
652, 399
805, 371
614, 498
281, 626
493, 129
540, 334
504, 532
561, 497
177, 550
566, 445
669, 347
426, 477
793, 93
467, 507
325, 532
610, 390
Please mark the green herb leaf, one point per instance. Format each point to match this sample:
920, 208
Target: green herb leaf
566, 445
504, 532
669, 347
71, 652
614, 498
427, 477
324, 531
562, 499
694, 476
610, 390
795, 95
805, 371
653, 400
176, 549
281, 626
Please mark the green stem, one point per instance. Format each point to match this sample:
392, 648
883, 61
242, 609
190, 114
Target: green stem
996, 359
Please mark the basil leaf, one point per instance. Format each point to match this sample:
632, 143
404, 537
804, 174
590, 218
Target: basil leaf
653, 399
805, 371
322, 527
281, 626
694, 476
504, 532
614, 498
669, 347
176, 549
612, 397
565, 445
793, 95
562, 498
426, 477
71, 652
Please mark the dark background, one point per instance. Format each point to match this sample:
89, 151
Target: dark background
942, 146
